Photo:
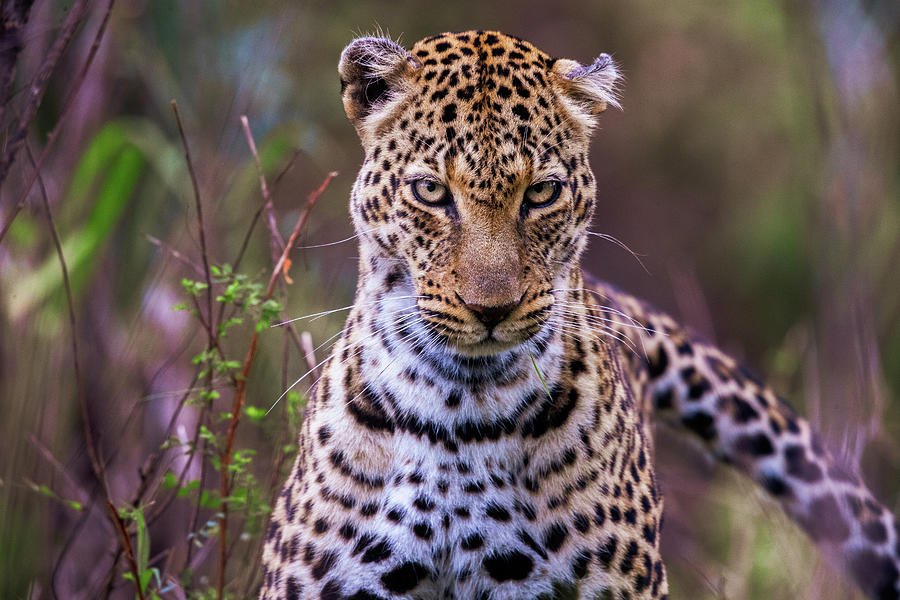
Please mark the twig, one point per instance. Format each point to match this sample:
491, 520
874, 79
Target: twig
283, 262
241, 387
259, 211
56, 128
83, 497
274, 235
175, 253
96, 463
200, 225
210, 326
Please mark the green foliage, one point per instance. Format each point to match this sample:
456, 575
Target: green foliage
116, 164
141, 549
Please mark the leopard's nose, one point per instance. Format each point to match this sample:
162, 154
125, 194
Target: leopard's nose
491, 316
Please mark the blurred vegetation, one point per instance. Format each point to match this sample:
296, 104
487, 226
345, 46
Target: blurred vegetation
755, 169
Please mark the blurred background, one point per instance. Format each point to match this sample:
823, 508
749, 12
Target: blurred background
754, 169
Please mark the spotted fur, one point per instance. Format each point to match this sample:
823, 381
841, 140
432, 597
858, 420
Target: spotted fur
479, 430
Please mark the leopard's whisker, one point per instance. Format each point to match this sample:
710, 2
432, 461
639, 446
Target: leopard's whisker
325, 313
322, 362
620, 244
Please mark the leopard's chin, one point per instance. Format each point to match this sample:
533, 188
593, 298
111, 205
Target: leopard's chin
495, 342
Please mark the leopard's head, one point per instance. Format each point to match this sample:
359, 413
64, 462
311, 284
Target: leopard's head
476, 190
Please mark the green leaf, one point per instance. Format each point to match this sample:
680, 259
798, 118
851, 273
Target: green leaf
119, 165
254, 412
189, 487
169, 480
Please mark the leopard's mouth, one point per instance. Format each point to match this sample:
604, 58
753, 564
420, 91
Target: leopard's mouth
471, 337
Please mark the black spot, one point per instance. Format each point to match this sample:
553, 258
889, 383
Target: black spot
508, 566
347, 530
700, 423
422, 531
368, 412
377, 553
581, 523
876, 574
776, 486
742, 411
664, 399
580, 564
449, 113
320, 526
520, 111
497, 512
628, 559
504, 92
454, 398
757, 444
473, 541
325, 564
657, 364
331, 591
875, 531
293, 589
424, 503
404, 577
324, 434
576, 367
555, 536
649, 533
607, 551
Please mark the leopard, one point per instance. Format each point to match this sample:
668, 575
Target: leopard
482, 428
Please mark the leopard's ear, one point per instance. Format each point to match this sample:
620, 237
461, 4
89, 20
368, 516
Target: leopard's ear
375, 74
587, 90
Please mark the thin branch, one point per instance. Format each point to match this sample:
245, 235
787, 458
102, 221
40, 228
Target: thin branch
70, 101
274, 235
96, 464
258, 214
39, 84
200, 225
175, 254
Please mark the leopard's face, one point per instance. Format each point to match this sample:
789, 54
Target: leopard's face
475, 191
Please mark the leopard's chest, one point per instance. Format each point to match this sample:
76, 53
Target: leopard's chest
468, 519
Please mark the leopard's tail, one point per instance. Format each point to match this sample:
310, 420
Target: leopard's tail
743, 422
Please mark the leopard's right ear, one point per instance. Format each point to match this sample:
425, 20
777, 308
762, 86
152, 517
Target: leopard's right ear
375, 76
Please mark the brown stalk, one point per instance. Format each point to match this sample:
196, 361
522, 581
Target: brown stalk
241, 387
96, 463
210, 326
269, 207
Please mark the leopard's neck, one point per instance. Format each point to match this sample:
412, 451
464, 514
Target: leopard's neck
390, 381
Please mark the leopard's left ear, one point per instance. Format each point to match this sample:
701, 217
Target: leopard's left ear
375, 72
587, 89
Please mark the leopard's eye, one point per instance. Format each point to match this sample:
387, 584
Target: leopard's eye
542, 194
429, 191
